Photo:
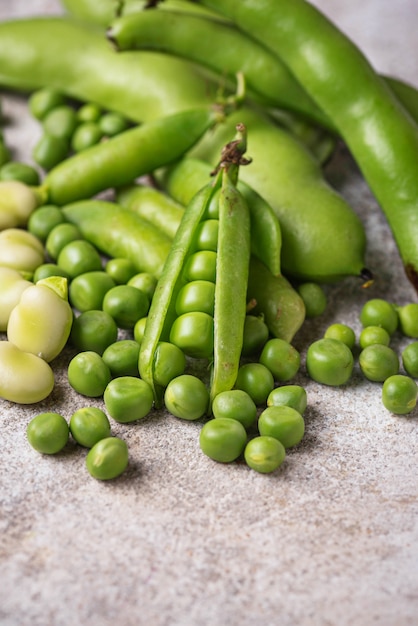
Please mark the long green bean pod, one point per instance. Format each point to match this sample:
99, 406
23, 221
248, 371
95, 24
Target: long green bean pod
75, 59
382, 138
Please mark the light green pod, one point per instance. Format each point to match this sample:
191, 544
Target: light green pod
20, 250
41, 322
12, 285
17, 202
24, 377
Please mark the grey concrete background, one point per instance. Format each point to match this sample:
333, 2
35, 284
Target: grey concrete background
330, 540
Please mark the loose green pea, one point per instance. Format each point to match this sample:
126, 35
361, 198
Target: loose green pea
169, 362
281, 358
145, 282
78, 257
23, 172
121, 358
42, 101
112, 124
60, 236
329, 361
399, 394
108, 458
47, 270
186, 397
410, 359
235, 404
372, 335
342, 332
264, 454
48, 433
44, 219
378, 312
60, 122
87, 134
126, 304
121, 270
89, 425
128, 399
256, 380
88, 374
50, 150
255, 336
223, 439
93, 330
87, 290
408, 319
283, 423
201, 265
314, 298
378, 362
193, 333
293, 396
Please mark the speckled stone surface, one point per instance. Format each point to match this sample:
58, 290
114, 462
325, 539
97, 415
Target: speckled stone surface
331, 539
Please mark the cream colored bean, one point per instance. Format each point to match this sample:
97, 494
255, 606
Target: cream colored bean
24, 377
12, 285
20, 250
17, 202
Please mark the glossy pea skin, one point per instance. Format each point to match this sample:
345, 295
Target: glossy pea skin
408, 319
120, 269
293, 396
399, 394
314, 298
206, 236
50, 150
139, 329
88, 374
47, 270
78, 257
343, 333
145, 282
281, 358
193, 333
379, 312
48, 432
372, 335
283, 423
169, 362
235, 404
409, 357
256, 380
61, 122
108, 458
128, 399
23, 172
264, 454
87, 290
59, 237
201, 265
87, 134
378, 362
186, 397
329, 362
255, 336
121, 357
93, 330
223, 439
89, 425
198, 295
44, 219
126, 304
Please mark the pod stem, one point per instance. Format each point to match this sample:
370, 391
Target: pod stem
232, 155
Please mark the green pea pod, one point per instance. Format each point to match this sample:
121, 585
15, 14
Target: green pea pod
184, 178
75, 59
273, 297
382, 138
41, 321
133, 153
162, 309
118, 232
323, 239
233, 256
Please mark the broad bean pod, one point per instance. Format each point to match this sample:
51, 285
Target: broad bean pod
75, 59
131, 154
323, 239
382, 138
119, 232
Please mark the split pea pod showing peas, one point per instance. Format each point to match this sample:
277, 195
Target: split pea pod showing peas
382, 138
75, 59
323, 239
131, 154
225, 333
